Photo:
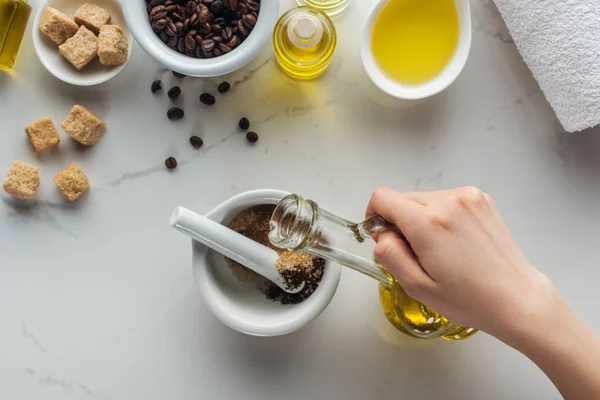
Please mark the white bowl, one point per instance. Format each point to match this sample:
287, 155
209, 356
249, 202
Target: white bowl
137, 17
245, 308
431, 87
47, 51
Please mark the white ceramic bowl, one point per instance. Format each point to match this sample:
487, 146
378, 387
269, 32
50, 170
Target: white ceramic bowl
241, 306
431, 87
47, 51
137, 18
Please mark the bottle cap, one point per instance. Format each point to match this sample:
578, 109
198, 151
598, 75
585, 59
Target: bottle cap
305, 30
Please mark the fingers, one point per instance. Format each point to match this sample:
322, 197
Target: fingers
395, 255
394, 207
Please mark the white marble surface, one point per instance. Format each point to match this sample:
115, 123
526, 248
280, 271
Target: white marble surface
97, 297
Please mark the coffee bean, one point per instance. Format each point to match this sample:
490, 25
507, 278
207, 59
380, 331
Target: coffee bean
171, 163
181, 45
178, 75
207, 45
217, 7
156, 86
244, 123
174, 92
203, 13
217, 52
233, 42
196, 141
233, 5
208, 99
159, 25
190, 43
172, 43
252, 137
253, 5
224, 48
217, 39
175, 113
249, 20
224, 87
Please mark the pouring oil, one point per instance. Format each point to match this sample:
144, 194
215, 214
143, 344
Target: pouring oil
304, 41
414, 40
414, 318
14, 15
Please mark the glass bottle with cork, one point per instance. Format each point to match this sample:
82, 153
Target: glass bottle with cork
298, 224
304, 41
14, 15
330, 7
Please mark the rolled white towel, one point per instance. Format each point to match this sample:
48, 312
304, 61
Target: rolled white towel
560, 42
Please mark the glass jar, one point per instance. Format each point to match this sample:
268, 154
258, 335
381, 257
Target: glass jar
330, 7
14, 15
304, 41
298, 224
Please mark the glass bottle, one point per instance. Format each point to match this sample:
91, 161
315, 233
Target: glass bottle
298, 224
14, 15
304, 41
330, 7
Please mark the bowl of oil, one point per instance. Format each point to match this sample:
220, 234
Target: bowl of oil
413, 49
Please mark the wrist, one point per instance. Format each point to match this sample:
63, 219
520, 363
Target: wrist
532, 314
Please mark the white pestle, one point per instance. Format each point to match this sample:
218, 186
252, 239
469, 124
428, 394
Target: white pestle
231, 244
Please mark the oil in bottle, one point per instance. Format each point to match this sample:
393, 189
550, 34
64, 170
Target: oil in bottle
330, 7
14, 15
416, 319
304, 41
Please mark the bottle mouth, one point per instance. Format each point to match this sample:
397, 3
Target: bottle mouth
291, 223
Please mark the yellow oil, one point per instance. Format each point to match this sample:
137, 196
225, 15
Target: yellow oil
304, 62
416, 319
413, 40
331, 7
14, 15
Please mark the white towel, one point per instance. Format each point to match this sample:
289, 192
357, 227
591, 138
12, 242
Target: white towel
560, 42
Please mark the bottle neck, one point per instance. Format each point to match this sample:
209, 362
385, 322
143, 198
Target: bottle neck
298, 224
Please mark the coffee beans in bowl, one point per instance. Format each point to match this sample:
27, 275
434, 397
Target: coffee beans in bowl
203, 28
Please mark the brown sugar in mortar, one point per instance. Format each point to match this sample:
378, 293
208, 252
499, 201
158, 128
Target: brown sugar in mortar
296, 268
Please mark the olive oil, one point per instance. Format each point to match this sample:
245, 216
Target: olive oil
414, 40
416, 319
14, 15
304, 41
330, 7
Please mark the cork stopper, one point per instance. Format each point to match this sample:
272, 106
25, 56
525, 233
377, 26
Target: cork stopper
305, 30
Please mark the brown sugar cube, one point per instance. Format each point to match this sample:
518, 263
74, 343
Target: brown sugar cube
83, 126
92, 16
81, 49
42, 135
113, 45
56, 25
72, 182
22, 180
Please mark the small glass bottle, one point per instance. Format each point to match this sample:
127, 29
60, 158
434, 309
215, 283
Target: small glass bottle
298, 224
14, 15
330, 7
304, 41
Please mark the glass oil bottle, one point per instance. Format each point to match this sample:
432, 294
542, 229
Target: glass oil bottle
304, 41
14, 15
298, 224
330, 7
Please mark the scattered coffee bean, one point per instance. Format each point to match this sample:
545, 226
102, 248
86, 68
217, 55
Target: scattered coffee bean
175, 113
178, 75
207, 98
156, 86
171, 163
244, 123
184, 24
224, 87
252, 137
174, 92
196, 141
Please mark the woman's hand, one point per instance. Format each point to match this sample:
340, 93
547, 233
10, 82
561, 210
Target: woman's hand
462, 260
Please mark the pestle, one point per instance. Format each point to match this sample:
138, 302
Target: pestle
231, 244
